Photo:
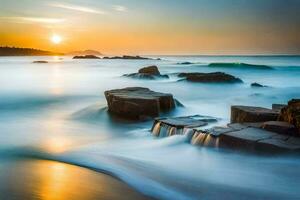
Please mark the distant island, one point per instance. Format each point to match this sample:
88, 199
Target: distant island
15, 51
85, 52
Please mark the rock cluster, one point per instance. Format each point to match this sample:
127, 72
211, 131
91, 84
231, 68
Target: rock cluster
241, 114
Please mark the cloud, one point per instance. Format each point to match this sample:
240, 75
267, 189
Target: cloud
119, 8
34, 20
77, 8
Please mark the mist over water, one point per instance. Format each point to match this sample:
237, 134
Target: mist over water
57, 111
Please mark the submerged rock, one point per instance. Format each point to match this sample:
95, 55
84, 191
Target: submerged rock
291, 113
40, 61
257, 85
185, 63
241, 114
239, 65
86, 57
150, 72
214, 77
138, 103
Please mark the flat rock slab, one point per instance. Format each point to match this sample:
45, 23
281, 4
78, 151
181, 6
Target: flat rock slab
241, 114
176, 125
280, 127
138, 103
214, 77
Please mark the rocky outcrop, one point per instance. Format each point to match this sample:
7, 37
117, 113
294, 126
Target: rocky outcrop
214, 77
138, 103
238, 136
40, 61
291, 113
127, 57
150, 72
257, 85
241, 114
86, 57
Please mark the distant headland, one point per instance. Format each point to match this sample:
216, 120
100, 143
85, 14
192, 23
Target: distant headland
15, 51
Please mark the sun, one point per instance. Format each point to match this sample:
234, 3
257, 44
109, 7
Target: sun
56, 39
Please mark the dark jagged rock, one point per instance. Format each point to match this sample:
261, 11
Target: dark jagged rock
138, 103
241, 114
280, 127
214, 77
163, 127
127, 57
86, 57
291, 113
40, 61
257, 85
150, 72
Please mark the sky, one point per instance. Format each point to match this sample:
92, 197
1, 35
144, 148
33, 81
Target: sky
167, 27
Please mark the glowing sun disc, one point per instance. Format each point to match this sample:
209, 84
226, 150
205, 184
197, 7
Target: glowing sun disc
56, 39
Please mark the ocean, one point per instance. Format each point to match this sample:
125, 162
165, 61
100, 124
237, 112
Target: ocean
57, 111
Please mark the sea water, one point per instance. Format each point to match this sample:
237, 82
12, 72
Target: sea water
57, 111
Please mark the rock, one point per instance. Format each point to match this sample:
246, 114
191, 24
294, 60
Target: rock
163, 127
40, 61
291, 113
279, 127
150, 72
185, 63
138, 103
127, 57
241, 114
278, 107
257, 85
86, 57
214, 77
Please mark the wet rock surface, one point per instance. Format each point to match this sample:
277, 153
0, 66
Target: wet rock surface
86, 57
137, 103
241, 114
150, 72
214, 77
291, 113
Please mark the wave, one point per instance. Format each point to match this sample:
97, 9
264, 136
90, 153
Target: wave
239, 65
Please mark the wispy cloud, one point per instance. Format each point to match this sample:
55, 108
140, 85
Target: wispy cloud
77, 8
120, 8
34, 20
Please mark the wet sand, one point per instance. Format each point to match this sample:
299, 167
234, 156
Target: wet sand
50, 180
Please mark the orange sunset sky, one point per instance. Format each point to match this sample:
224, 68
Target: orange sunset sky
154, 26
